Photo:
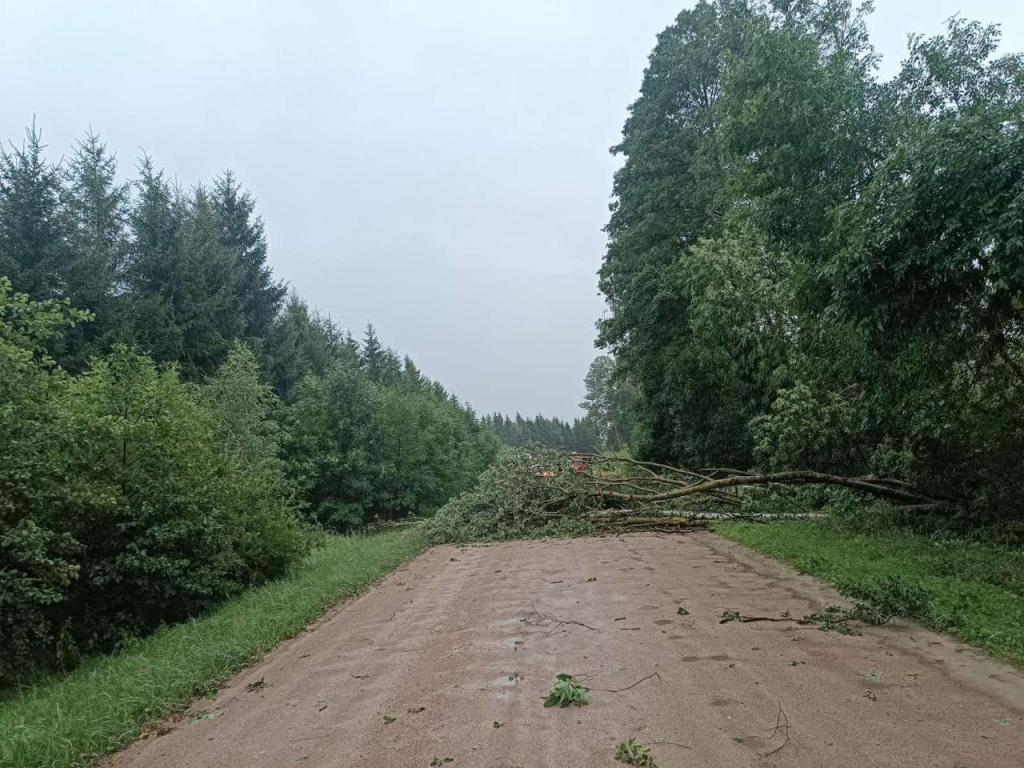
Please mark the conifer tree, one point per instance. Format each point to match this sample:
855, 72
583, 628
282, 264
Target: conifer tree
155, 275
413, 377
243, 232
372, 354
301, 342
211, 313
33, 239
97, 208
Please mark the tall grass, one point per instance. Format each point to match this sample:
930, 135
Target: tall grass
971, 590
105, 703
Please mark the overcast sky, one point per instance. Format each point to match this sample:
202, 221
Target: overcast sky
438, 168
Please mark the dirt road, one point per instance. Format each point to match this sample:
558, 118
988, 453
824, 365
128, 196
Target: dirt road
460, 647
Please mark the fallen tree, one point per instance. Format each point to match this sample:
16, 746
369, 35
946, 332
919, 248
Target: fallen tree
659, 483
548, 493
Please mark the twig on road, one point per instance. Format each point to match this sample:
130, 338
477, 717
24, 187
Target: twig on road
534, 618
781, 726
634, 685
673, 743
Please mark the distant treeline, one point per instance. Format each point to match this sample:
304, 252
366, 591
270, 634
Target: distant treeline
580, 435
610, 404
173, 426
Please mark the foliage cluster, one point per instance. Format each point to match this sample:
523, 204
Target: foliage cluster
610, 401
168, 419
567, 692
632, 752
364, 447
181, 274
812, 269
511, 500
123, 504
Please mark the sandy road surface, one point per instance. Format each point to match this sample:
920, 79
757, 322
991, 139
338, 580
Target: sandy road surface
453, 642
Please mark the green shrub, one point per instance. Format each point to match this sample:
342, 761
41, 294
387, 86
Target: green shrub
891, 596
567, 692
264, 529
509, 501
362, 449
127, 499
37, 559
150, 502
169, 515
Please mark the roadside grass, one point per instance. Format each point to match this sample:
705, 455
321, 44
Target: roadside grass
971, 590
73, 719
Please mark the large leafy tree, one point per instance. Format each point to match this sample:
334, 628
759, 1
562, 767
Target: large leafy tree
665, 202
754, 119
811, 268
263, 528
930, 262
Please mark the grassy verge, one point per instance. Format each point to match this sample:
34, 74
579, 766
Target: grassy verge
970, 590
105, 703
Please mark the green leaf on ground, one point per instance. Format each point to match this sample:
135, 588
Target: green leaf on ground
567, 692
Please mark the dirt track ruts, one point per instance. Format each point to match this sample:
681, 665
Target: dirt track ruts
450, 644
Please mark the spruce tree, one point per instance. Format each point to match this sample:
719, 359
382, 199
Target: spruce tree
211, 312
301, 342
155, 274
413, 377
33, 239
242, 231
372, 354
97, 209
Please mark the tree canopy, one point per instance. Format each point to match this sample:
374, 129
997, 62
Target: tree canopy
810, 268
173, 427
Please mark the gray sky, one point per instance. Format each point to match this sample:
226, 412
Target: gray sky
439, 168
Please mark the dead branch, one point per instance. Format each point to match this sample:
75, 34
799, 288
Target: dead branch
781, 726
673, 743
750, 619
534, 618
799, 477
638, 492
634, 685
648, 466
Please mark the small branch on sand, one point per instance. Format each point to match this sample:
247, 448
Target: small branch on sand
534, 618
781, 726
749, 619
634, 685
673, 743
